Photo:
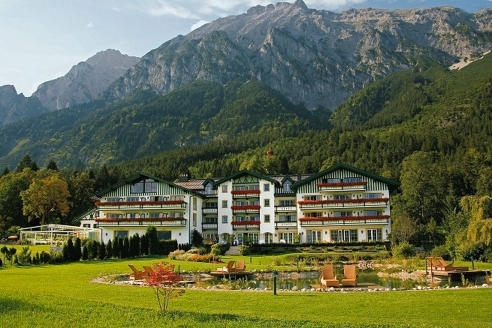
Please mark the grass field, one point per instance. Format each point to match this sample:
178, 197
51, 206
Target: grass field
64, 295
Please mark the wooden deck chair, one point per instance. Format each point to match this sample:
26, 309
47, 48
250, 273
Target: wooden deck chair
240, 266
137, 274
449, 267
349, 275
230, 267
328, 278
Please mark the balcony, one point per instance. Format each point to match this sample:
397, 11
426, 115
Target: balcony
341, 186
344, 203
142, 205
245, 193
245, 225
285, 209
209, 210
210, 225
167, 222
344, 220
245, 209
285, 224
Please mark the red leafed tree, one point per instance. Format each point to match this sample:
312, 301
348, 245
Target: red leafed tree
164, 282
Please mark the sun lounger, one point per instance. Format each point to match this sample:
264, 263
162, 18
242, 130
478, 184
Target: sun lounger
229, 268
349, 275
240, 266
327, 277
137, 274
450, 267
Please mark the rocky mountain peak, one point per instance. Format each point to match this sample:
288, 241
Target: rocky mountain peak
85, 81
314, 57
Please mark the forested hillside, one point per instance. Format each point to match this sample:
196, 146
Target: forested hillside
145, 123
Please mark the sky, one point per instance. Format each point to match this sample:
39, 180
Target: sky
40, 40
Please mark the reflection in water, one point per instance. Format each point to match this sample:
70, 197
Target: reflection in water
308, 279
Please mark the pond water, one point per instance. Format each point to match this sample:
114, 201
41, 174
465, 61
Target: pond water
288, 280
306, 280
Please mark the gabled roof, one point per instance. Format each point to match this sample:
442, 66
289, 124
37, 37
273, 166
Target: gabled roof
243, 173
137, 177
207, 181
391, 183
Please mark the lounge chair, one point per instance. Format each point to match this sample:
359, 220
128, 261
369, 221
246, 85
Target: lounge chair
240, 266
349, 275
327, 277
229, 268
450, 267
137, 274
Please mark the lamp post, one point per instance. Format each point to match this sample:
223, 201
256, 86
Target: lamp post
274, 274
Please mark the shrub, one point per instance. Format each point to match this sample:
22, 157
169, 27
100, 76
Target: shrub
244, 250
176, 255
441, 251
404, 250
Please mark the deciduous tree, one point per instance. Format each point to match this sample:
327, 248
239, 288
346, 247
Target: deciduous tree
45, 196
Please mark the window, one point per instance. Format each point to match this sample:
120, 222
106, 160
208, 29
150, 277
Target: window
154, 215
164, 235
313, 236
224, 218
341, 197
286, 186
132, 199
267, 218
121, 234
86, 225
287, 218
210, 205
147, 185
287, 237
255, 218
194, 203
374, 235
239, 188
208, 189
287, 203
352, 179
343, 235
373, 213
372, 195
114, 200
266, 187
254, 187
224, 188
343, 214
224, 204
194, 219
267, 202
240, 218
313, 214
312, 197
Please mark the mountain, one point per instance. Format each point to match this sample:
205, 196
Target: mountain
15, 106
145, 123
85, 81
313, 57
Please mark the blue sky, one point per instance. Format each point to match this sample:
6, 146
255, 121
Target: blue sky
42, 40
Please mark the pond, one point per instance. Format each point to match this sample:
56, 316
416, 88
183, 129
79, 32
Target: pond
306, 280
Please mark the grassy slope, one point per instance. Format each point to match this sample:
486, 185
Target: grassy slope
63, 295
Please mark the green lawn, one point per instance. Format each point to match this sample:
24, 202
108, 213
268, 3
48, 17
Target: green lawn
63, 295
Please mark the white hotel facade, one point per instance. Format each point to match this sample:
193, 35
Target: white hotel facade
339, 204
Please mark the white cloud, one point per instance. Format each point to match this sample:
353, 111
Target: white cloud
198, 24
89, 25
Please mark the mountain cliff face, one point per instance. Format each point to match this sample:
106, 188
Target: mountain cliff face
314, 57
14, 106
85, 81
